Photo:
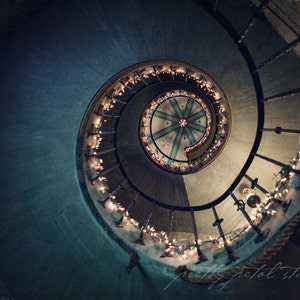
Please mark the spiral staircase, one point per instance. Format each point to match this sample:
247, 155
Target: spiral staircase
170, 127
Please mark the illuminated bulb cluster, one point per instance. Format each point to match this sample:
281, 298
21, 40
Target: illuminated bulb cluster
295, 180
262, 211
95, 164
284, 180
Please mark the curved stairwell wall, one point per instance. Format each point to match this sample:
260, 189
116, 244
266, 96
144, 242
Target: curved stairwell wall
51, 67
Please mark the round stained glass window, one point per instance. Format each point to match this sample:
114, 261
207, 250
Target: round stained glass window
173, 124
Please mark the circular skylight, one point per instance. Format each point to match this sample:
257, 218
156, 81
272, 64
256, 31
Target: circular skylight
179, 131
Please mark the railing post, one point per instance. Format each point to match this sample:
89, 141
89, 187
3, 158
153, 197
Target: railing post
141, 77
107, 132
254, 184
140, 240
105, 172
278, 163
279, 130
116, 99
278, 54
201, 256
95, 153
241, 206
170, 223
231, 255
120, 222
257, 13
111, 195
282, 95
